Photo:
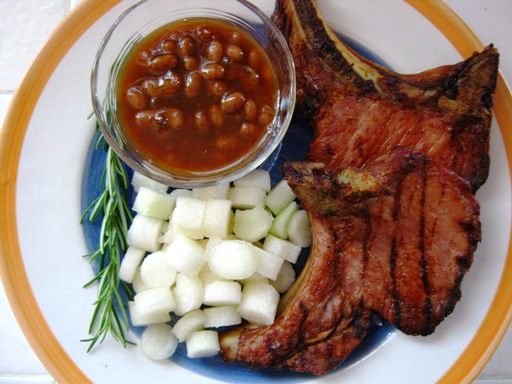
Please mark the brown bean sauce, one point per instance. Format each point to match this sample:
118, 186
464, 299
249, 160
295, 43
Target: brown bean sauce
196, 95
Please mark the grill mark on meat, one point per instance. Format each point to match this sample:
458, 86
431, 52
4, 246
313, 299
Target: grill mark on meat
392, 261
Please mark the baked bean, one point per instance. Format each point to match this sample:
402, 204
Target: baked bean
205, 34
217, 88
254, 59
191, 63
186, 46
202, 121
234, 52
237, 37
213, 71
214, 51
266, 115
249, 129
170, 83
226, 142
135, 97
170, 117
232, 102
169, 46
151, 88
249, 78
216, 115
250, 110
145, 119
193, 84
163, 62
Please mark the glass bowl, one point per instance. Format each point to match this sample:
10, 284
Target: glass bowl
147, 16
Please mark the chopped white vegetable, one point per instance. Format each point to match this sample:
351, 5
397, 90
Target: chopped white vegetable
252, 224
282, 248
138, 283
285, 278
218, 218
188, 293
223, 316
203, 344
130, 263
158, 342
280, 225
169, 235
222, 293
259, 303
188, 213
156, 272
299, 229
258, 178
217, 191
144, 233
139, 319
209, 277
269, 264
139, 180
247, 197
154, 204
185, 255
190, 322
279, 197
231, 259
155, 301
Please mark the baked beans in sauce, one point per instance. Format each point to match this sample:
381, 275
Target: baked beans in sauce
196, 95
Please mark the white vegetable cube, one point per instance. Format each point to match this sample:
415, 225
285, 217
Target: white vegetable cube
209, 277
185, 255
139, 319
138, 283
299, 229
153, 204
285, 278
279, 197
139, 180
223, 316
282, 248
155, 301
231, 259
188, 293
190, 322
217, 219
158, 342
156, 272
144, 233
252, 224
259, 303
169, 235
130, 263
217, 191
188, 213
280, 225
258, 178
269, 264
247, 197
203, 344
222, 293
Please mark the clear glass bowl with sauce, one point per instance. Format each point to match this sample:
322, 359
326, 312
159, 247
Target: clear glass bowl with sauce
219, 113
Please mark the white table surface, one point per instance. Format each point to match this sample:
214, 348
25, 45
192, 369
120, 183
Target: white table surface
25, 26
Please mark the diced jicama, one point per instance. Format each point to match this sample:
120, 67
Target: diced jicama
256, 277
222, 316
209, 277
203, 344
217, 191
299, 229
247, 197
217, 219
259, 303
155, 301
131, 261
139, 319
280, 225
188, 213
222, 293
154, 204
158, 342
169, 235
137, 283
279, 197
285, 278
188, 293
258, 178
139, 180
156, 272
252, 224
144, 233
282, 248
190, 322
185, 255
231, 259
269, 264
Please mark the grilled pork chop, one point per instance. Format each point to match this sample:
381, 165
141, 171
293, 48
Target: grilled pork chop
388, 184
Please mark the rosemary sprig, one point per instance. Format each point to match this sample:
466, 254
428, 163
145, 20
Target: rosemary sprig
113, 209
